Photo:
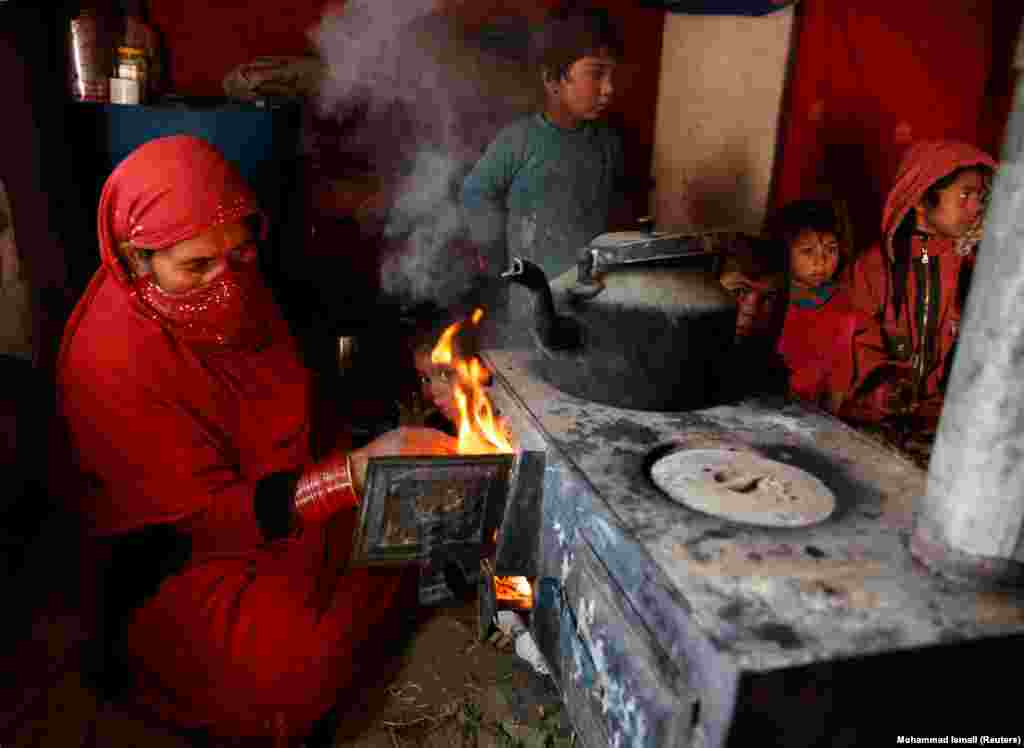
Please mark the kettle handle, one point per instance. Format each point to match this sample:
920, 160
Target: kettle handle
594, 262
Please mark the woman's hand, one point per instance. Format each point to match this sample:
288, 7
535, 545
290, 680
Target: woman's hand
409, 441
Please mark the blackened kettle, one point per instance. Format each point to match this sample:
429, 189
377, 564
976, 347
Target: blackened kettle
641, 323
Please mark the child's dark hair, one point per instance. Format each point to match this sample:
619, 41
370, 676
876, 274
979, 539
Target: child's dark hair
569, 33
802, 215
810, 215
905, 231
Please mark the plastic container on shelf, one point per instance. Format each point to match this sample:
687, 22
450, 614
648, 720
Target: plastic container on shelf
125, 91
131, 76
139, 34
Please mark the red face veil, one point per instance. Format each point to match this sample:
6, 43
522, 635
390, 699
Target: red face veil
169, 190
231, 310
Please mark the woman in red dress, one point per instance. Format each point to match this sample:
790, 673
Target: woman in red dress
189, 415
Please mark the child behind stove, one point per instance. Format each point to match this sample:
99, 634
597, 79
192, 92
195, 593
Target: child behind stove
821, 322
752, 271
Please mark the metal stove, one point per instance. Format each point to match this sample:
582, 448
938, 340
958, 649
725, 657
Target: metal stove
666, 626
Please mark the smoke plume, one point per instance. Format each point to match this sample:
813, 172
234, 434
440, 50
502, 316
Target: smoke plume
420, 99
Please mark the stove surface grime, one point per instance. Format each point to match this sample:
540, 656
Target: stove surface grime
668, 626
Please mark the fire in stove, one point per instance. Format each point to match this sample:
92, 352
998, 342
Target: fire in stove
509, 592
444, 511
481, 431
513, 593
496, 593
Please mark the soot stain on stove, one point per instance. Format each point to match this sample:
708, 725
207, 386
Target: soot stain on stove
620, 431
950, 635
779, 633
879, 639
618, 451
850, 493
734, 610
714, 534
693, 545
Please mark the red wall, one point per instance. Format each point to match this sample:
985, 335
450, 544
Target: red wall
928, 76
207, 40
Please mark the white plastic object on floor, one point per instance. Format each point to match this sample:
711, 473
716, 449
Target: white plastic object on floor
526, 648
510, 623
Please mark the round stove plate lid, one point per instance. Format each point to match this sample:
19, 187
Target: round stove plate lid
617, 239
743, 487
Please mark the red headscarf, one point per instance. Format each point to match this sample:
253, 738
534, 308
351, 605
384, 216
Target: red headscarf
887, 376
166, 191
172, 419
923, 164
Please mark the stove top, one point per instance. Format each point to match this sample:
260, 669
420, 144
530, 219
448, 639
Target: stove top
726, 597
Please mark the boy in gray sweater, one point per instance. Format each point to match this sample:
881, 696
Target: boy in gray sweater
549, 182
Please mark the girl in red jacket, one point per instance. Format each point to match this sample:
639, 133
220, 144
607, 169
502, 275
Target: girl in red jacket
913, 283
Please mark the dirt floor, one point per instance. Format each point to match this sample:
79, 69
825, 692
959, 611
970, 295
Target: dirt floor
443, 687
450, 689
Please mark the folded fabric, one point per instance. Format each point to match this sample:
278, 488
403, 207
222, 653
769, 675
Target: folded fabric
275, 77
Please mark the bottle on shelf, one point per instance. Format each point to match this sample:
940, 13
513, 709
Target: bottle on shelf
139, 34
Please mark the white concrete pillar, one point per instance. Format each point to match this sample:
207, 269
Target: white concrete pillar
970, 523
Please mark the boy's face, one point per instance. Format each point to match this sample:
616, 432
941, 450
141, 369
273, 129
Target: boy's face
756, 300
959, 208
584, 93
813, 258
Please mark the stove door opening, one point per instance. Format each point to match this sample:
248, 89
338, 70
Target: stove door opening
497, 593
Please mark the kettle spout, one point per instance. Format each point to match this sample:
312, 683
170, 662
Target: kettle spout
554, 331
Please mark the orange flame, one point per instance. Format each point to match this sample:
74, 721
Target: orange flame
480, 430
514, 592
